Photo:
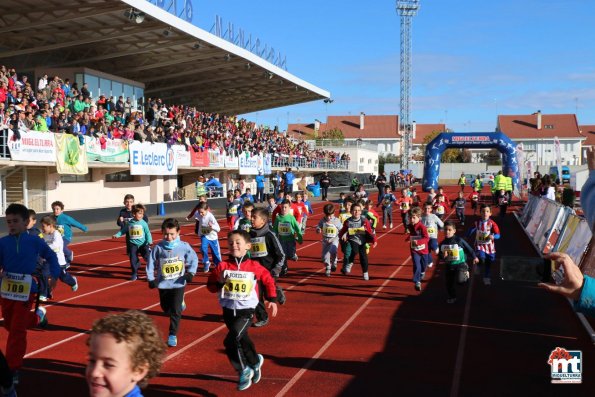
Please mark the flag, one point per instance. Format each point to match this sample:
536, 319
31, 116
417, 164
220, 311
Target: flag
71, 156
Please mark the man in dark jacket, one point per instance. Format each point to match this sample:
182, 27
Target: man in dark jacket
325, 182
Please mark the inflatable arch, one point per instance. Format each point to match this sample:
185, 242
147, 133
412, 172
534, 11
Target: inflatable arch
472, 140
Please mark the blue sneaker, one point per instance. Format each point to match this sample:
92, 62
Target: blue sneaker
172, 341
76, 285
245, 380
257, 371
206, 267
183, 305
41, 313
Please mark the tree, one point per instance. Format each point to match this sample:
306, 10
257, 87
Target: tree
493, 157
335, 136
387, 159
448, 156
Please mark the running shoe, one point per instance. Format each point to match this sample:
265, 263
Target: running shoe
245, 380
366, 276
391, 225
384, 226
261, 323
206, 267
257, 371
76, 285
172, 341
327, 272
43, 319
10, 392
183, 305
418, 286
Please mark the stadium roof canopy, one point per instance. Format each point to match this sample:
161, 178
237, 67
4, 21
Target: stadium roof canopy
176, 60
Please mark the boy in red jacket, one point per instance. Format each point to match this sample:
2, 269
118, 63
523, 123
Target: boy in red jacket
236, 281
418, 235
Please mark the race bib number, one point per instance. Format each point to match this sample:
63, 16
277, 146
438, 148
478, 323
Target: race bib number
205, 230
172, 268
259, 247
483, 237
432, 231
451, 252
284, 229
60, 228
136, 232
233, 210
416, 245
475, 198
246, 227
16, 286
440, 210
238, 285
329, 231
405, 206
386, 202
356, 230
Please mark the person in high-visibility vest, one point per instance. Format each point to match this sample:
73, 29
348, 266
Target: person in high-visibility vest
499, 184
462, 182
477, 183
508, 189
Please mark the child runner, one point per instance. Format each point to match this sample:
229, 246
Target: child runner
486, 231
201, 199
138, 239
247, 197
19, 253
125, 351
329, 226
341, 202
404, 203
288, 230
459, 205
431, 196
415, 199
444, 196
208, 229
432, 223
474, 197
267, 250
53, 238
308, 211
440, 206
43, 270
502, 203
171, 266
419, 239
233, 207
387, 200
125, 214
454, 251
280, 197
236, 281
272, 205
370, 215
245, 221
356, 231
64, 226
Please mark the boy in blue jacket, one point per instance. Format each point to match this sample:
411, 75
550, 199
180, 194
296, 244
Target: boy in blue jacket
171, 266
138, 239
19, 253
64, 224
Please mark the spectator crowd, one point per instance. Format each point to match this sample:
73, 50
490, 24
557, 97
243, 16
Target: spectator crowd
59, 106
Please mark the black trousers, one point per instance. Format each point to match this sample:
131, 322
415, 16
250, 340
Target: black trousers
324, 192
171, 304
5, 373
363, 257
143, 250
453, 276
239, 347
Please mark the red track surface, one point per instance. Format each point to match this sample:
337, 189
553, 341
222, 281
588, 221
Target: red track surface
334, 336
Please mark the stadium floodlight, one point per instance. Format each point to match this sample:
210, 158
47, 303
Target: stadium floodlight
328, 100
167, 32
196, 46
135, 15
227, 57
248, 66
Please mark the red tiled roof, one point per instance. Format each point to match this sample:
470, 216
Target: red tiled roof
422, 130
588, 131
374, 127
552, 125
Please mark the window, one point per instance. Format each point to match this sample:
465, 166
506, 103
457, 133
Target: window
548, 126
361, 160
123, 176
117, 89
361, 168
369, 161
529, 147
75, 178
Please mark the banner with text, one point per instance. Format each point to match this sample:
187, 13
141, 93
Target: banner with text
216, 159
71, 156
231, 162
152, 159
33, 146
182, 155
111, 151
199, 159
253, 165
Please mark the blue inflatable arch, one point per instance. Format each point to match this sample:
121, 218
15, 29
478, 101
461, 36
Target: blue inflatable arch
472, 140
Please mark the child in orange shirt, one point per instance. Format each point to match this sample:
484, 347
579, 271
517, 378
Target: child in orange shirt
404, 202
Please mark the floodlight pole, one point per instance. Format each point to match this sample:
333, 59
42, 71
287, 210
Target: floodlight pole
407, 9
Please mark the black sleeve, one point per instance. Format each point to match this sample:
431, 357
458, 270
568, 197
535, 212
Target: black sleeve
467, 248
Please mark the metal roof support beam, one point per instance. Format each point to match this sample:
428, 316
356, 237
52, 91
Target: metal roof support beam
59, 20
89, 40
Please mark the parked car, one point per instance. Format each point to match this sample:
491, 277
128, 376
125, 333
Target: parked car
565, 173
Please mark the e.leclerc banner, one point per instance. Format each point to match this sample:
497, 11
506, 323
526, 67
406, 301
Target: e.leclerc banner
152, 159
71, 156
253, 165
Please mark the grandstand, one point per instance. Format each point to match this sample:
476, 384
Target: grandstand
117, 75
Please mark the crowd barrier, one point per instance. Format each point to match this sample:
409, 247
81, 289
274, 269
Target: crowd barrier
282, 161
552, 227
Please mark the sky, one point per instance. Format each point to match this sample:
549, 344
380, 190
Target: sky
471, 59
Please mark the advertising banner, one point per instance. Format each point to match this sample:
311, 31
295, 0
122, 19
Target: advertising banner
199, 159
558, 156
33, 146
216, 159
231, 162
71, 156
115, 150
575, 238
253, 165
152, 159
182, 155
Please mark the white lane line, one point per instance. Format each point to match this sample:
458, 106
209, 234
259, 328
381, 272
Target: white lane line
86, 332
338, 333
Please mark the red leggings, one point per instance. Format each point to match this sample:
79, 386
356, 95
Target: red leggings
18, 317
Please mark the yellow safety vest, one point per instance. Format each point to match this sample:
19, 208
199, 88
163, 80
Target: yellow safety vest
508, 184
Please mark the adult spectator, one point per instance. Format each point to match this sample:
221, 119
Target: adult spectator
393, 181
576, 286
325, 182
380, 183
259, 187
289, 178
85, 91
549, 191
354, 184
276, 182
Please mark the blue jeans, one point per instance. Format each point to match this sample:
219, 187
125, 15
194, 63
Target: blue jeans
66, 250
260, 194
486, 261
419, 266
205, 244
432, 246
144, 251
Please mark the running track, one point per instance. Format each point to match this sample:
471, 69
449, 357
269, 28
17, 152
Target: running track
337, 336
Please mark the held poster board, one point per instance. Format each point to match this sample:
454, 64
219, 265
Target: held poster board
575, 238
